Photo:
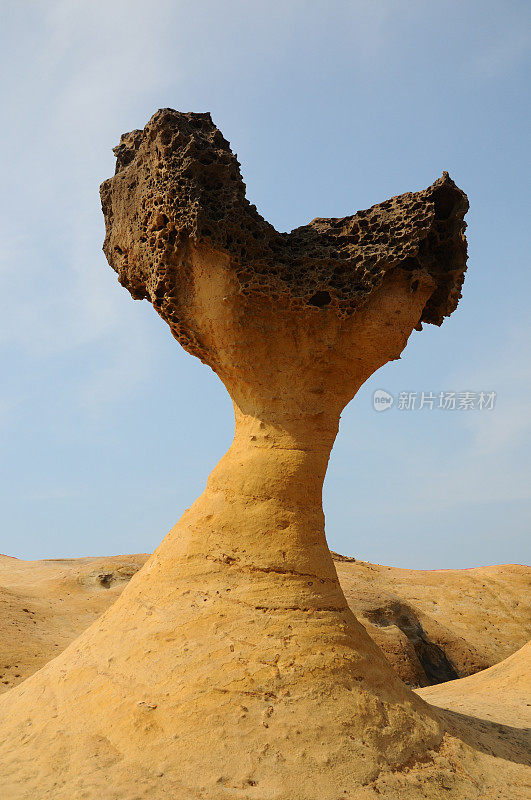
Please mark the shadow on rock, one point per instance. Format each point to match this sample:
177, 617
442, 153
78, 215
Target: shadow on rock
493, 738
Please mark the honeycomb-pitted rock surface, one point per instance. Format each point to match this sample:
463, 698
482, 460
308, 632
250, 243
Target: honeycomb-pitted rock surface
231, 665
178, 182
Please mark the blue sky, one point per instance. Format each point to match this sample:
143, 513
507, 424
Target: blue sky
108, 429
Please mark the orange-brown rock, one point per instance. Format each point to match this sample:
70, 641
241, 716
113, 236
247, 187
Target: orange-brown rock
44, 605
437, 625
231, 665
178, 186
500, 694
431, 625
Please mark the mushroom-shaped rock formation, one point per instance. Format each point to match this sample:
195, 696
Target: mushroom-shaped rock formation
231, 665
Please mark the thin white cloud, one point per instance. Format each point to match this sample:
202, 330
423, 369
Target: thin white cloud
94, 65
87, 78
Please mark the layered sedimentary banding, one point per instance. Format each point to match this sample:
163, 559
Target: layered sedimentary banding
235, 637
177, 184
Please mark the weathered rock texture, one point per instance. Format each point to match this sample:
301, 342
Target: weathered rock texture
231, 665
45, 605
437, 625
177, 185
431, 625
500, 694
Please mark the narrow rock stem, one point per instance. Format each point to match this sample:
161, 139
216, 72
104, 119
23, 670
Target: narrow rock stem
261, 515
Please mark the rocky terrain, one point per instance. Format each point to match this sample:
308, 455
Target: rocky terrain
438, 625
44, 605
500, 694
231, 665
423, 620
433, 626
